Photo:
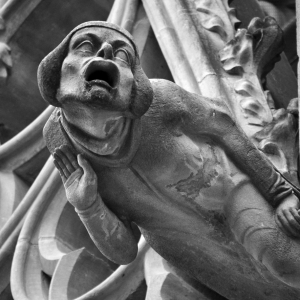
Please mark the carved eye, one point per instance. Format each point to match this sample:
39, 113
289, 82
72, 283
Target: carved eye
123, 55
85, 46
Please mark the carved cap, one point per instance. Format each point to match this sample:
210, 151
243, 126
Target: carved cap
50, 68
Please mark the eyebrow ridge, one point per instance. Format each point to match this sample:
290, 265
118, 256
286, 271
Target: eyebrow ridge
88, 35
122, 43
95, 37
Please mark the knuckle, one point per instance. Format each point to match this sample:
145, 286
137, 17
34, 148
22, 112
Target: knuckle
279, 215
296, 226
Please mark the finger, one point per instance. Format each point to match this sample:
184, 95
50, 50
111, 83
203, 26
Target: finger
61, 173
70, 155
61, 165
295, 214
87, 169
65, 160
285, 226
291, 220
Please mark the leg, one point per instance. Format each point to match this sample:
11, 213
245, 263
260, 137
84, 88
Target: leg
252, 220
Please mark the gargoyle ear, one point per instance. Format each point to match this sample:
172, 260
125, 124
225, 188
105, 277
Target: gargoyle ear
142, 93
48, 74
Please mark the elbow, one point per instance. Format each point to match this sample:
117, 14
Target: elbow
125, 254
127, 259
281, 258
286, 268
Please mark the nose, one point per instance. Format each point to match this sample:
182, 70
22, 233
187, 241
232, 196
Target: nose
106, 51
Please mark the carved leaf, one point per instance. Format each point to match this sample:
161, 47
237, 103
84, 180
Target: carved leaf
232, 14
218, 17
254, 50
213, 22
253, 110
237, 56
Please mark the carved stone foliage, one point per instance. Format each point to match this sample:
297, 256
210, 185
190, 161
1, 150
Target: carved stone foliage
279, 139
203, 29
249, 57
218, 17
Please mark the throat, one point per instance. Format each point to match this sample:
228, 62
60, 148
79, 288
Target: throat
105, 135
112, 136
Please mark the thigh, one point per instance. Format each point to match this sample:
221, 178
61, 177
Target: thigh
252, 222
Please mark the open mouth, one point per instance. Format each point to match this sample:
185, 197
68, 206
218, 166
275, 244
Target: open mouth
103, 73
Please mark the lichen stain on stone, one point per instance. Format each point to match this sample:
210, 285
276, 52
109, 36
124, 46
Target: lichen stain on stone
191, 186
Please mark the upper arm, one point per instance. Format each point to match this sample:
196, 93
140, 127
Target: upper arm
191, 114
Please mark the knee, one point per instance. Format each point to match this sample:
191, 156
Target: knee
280, 255
284, 265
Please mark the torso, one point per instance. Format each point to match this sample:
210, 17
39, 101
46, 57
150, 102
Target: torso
179, 193
176, 191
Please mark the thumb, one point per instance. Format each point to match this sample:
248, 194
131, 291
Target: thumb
85, 165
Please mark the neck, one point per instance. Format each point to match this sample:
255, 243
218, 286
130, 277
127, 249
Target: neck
101, 132
98, 124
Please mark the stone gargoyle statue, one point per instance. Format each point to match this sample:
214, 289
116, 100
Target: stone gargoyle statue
133, 150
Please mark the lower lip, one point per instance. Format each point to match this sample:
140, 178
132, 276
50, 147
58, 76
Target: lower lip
100, 83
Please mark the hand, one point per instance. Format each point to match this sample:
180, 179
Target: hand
287, 216
79, 179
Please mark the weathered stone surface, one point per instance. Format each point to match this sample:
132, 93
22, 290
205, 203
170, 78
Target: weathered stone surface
190, 34
179, 171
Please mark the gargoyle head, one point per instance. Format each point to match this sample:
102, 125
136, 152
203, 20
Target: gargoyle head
97, 65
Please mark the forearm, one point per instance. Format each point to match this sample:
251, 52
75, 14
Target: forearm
197, 116
252, 161
206, 118
109, 233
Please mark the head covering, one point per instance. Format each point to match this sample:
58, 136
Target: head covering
50, 69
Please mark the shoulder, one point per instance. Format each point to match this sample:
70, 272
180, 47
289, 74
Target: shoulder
173, 102
166, 91
168, 97
168, 108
